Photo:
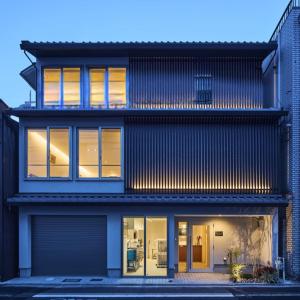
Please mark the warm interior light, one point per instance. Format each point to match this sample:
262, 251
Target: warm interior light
58, 152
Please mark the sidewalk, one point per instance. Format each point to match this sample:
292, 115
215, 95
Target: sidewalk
199, 280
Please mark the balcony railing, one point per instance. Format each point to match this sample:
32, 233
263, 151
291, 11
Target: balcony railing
290, 6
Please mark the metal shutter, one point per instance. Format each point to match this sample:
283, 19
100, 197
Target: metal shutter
68, 245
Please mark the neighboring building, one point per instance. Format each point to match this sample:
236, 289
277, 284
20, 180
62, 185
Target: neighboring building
284, 66
8, 187
148, 159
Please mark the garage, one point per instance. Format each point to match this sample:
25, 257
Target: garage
69, 245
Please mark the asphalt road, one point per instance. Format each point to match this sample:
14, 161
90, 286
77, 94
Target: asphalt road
147, 292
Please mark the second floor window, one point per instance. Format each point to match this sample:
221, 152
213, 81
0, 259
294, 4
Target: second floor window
93, 165
108, 87
48, 153
62, 87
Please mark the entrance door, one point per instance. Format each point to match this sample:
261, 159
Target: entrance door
193, 247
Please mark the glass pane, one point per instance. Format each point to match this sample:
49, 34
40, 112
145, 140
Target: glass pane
111, 153
36, 153
200, 247
59, 152
97, 79
133, 246
51, 86
88, 153
182, 246
71, 86
117, 87
156, 246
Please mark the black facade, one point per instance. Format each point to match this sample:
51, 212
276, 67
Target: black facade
8, 187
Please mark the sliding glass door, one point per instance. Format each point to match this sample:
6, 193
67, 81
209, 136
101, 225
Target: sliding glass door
145, 251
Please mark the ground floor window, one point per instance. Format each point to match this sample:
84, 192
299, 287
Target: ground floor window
145, 246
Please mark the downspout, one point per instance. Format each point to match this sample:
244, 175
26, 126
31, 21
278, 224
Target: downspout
36, 80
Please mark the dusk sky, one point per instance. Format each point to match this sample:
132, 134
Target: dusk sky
120, 20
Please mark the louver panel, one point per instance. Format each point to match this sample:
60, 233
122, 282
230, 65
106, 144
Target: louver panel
181, 155
162, 82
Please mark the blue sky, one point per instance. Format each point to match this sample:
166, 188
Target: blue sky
124, 20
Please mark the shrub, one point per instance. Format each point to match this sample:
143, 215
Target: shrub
267, 274
236, 272
246, 276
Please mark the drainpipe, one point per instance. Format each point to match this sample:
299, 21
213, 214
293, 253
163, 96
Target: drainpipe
36, 79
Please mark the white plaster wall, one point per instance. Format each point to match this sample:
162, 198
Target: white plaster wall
253, 238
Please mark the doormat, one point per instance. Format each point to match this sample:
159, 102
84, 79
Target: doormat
72, 280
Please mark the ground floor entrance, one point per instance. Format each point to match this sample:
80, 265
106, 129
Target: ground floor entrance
193, 247
212, 243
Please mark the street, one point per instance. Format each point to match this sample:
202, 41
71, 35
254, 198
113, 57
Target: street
149, 292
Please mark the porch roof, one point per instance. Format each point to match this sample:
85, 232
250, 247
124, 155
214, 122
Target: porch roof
174, 199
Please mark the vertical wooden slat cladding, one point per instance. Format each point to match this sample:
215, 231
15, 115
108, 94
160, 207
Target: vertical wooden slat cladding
202, 155
169, 82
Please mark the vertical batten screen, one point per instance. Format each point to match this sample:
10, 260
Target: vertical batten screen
169, 82
202, 156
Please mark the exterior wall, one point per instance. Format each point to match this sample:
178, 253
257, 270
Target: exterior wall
166, 82
114, 225
289, 88
72, 184
8, 186
202, 155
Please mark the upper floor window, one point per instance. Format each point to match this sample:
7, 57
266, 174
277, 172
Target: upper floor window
62, 87
48, 153
90, 163
108, 87
117, 87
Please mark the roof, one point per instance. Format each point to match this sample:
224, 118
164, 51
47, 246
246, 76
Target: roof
174, 199
252, 113
79, 49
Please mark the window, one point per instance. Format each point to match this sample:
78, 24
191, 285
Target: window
37, 153
108, 87
71, 86
48, 153
89, 163
59, 153
88, 153
117, 87
111, 153
52, 92
203, 88
97, 87
145, 239
156, 241
66, 94
133, 246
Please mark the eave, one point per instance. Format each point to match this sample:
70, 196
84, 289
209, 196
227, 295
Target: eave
44, 113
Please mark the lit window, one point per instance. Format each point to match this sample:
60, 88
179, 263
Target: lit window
54, 163
37, 153
153, 250
71, 86
52, 93
97, 84
133, 246
117, 87
111, 153
88, 153
59, 153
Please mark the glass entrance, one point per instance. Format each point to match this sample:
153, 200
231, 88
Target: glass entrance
193, 247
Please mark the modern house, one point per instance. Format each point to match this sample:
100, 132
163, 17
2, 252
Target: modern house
147, 159
8, 187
